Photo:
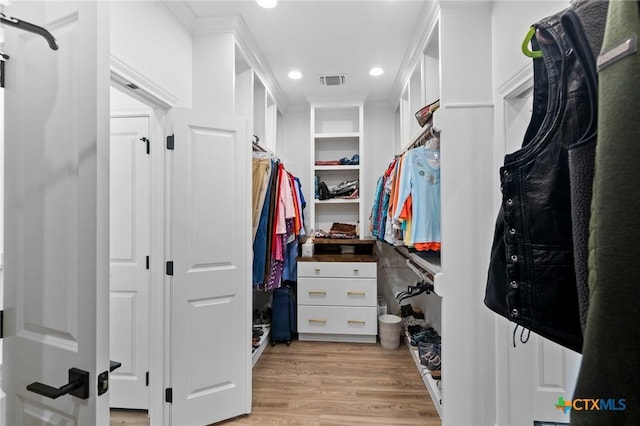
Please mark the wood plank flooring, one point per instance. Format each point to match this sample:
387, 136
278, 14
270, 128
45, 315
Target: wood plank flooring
318, 383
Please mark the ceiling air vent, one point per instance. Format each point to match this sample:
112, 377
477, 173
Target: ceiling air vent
333, 80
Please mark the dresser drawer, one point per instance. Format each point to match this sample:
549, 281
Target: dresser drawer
337, 320
337, 291
337, 269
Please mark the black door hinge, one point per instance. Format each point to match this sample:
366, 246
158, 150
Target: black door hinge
148, 142
147, 262
1, 324
170, 267
170, 141
147, 379
168, 395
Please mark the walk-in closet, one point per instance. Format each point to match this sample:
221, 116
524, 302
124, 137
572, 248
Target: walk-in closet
249, 212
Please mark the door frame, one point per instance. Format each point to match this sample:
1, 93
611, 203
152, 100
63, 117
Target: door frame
136, 85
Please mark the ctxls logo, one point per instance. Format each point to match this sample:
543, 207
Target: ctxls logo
590, 404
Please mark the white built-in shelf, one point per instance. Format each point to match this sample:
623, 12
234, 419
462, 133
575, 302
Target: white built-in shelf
337, 168
338, 201
340, 135
264, 340
429, 382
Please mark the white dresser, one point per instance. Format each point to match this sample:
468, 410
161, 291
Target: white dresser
337, 296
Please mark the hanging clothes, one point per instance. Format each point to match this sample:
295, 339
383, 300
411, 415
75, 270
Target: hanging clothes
531, 279
609, 368
280, 225
261, 172
420, 191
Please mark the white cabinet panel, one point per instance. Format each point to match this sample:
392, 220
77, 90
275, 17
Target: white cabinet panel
337, 320
337, 269
337, 291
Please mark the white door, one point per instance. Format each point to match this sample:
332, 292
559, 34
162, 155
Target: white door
540, 372
129, 248
56, 212
210, 377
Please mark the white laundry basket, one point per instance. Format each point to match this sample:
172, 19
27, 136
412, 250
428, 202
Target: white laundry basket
389, 330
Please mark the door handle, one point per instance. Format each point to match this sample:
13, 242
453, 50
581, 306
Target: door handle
78, 386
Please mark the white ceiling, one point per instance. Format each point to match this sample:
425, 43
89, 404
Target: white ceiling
327, 37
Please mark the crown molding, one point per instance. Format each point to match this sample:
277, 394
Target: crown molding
182, 13
427, 24
233, 24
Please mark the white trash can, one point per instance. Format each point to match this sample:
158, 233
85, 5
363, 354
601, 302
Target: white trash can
389, 330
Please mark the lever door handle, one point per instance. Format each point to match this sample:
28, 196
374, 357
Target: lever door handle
78, 386
114, 365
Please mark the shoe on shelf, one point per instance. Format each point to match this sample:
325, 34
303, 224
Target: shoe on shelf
434, 363
408, 311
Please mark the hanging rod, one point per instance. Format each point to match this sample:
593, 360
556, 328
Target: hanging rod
415, 267
29, 27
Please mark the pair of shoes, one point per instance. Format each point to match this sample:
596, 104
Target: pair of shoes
407, 311
431, 357
434, 364
257, 331
414, 324
354, 161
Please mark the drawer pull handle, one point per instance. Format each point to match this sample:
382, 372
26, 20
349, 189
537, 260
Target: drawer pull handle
356, 270
318, 320
317, 269
355, 321
323, 293
356, 293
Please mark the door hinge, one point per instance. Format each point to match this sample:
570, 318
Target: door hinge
168, 395
147, 379
170, 141
148, 142
170, 267
1, 324
147, 262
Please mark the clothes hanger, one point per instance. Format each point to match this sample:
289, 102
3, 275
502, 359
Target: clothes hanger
525, 44
26, 26
3, 57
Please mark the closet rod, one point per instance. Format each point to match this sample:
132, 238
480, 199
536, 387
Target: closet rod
416, 268
29, 27
429, 131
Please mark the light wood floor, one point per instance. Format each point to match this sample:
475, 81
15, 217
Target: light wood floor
317, 383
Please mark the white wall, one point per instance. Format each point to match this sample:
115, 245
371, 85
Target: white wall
162, 51
294, 148
379, 142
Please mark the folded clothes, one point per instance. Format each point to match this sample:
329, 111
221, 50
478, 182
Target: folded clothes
328, 162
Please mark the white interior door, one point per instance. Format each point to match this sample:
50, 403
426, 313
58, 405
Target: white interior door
210, 288
129, 230
56, 212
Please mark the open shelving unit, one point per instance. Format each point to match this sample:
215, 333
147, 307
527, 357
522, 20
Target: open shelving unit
336, 133
430, 383
264, 341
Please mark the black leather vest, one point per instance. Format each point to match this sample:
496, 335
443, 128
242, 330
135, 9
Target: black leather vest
531, 279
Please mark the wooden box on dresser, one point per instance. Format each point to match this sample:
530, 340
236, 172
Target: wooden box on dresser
337, 293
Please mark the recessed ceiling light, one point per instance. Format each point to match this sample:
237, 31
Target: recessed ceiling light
376, 71
295, 75
267, 4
